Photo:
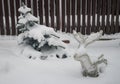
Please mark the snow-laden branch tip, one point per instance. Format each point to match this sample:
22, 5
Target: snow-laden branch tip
24, 9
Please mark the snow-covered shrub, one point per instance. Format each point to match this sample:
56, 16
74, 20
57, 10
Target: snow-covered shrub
34, 36
26, 19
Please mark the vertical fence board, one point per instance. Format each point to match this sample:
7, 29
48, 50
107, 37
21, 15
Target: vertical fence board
26, 2
94, 5
29, 3
99, 5
63, 15
78, 15
57, 14
17, 7
88, 16
68, 15
108, 16
7, 16
40, 8
83, 15
15, 16
52, 12
46, 12
73, 14
32, 6
112, 18
22, 1
117, 16
2, 32
17, 13
35, 8
103, 15
9, 13
12, 16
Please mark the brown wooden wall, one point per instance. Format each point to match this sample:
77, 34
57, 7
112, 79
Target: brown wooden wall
85, 16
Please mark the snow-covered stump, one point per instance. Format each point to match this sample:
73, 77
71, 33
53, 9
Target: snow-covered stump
89, 68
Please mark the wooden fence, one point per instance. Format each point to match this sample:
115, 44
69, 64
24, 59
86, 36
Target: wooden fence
85, 16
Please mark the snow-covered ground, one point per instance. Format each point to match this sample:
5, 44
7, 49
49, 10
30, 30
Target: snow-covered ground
16, 69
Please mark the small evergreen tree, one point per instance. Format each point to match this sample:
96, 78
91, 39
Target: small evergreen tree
39, 37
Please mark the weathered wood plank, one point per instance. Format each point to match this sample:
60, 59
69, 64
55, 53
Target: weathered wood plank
78, 15
83, 15
73, 14
63, 15
68, 15
117, 16
35, 8
12, 11
112, 17
99, 6
2, 31
94, 10
108, 17
57, 14
7, 17
52, 12
46, 12
88, 29
40, 8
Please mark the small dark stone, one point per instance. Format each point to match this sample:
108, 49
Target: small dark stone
93, 74
46, 36
43, 57
64, 56
30, 57
57, 56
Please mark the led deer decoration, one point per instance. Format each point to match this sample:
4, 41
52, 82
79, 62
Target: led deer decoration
88, 67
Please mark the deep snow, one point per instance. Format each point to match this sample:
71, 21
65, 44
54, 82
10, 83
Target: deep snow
17, 69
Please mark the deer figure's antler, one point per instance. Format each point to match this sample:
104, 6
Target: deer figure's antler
86, 40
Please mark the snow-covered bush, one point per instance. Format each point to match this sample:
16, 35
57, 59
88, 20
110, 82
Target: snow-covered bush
34, 35
89, 68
